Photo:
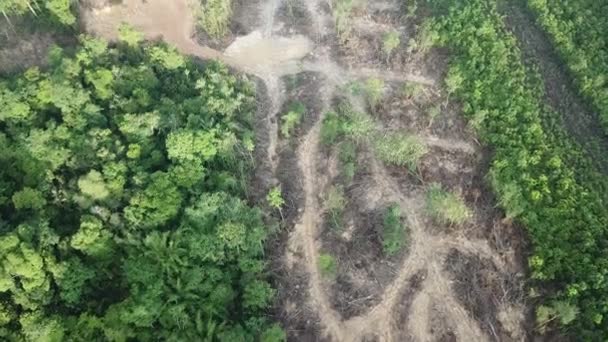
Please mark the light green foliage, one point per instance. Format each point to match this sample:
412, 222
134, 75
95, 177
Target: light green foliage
374, 92
390, 41
215, 16
561, 311
129, 35
158, 203
393, 230
167, 57
356, 126
412, 90
38, 327
445, 207
343, 12
275, 198
399, 149
93, 185
433, 113
327, 265
189, 146
92, 238
121, 200
28, 198
292, 118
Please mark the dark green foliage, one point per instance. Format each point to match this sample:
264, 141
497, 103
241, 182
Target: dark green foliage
393, 230
542, 178
121, 201
578, 30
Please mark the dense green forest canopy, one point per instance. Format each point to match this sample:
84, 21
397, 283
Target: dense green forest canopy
122, 217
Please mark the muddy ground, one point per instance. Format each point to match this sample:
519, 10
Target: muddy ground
448, 283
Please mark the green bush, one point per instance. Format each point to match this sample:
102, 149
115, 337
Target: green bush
327, 265
399, 149
393, 230
292, 118
390, 41
445, 207
374, 92
215, 16
331, 129
334, 204
356, 126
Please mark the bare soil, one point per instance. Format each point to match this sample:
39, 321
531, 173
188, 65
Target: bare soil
458, 283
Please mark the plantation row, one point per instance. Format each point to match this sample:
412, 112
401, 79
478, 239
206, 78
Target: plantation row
542, 179
579, 30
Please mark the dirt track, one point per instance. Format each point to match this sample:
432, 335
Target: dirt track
270, 57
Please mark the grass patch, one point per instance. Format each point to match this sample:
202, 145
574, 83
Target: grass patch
445, 207
393, 230
335, 202
327, 265
214, 17
399, 149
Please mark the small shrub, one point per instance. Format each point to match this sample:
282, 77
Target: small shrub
399, 149
327, 265
343, 12
426, 38
374, 91
356, 125
433, 113
390, 42
445, 207
348, 158
331, 129
215, 17
335, 202
393, 231
275, 198
292, 118
412, 90
354, 87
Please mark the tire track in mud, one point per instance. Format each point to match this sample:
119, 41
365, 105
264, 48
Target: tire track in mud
269, 58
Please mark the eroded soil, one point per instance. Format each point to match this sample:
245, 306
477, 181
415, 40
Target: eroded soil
446, 284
